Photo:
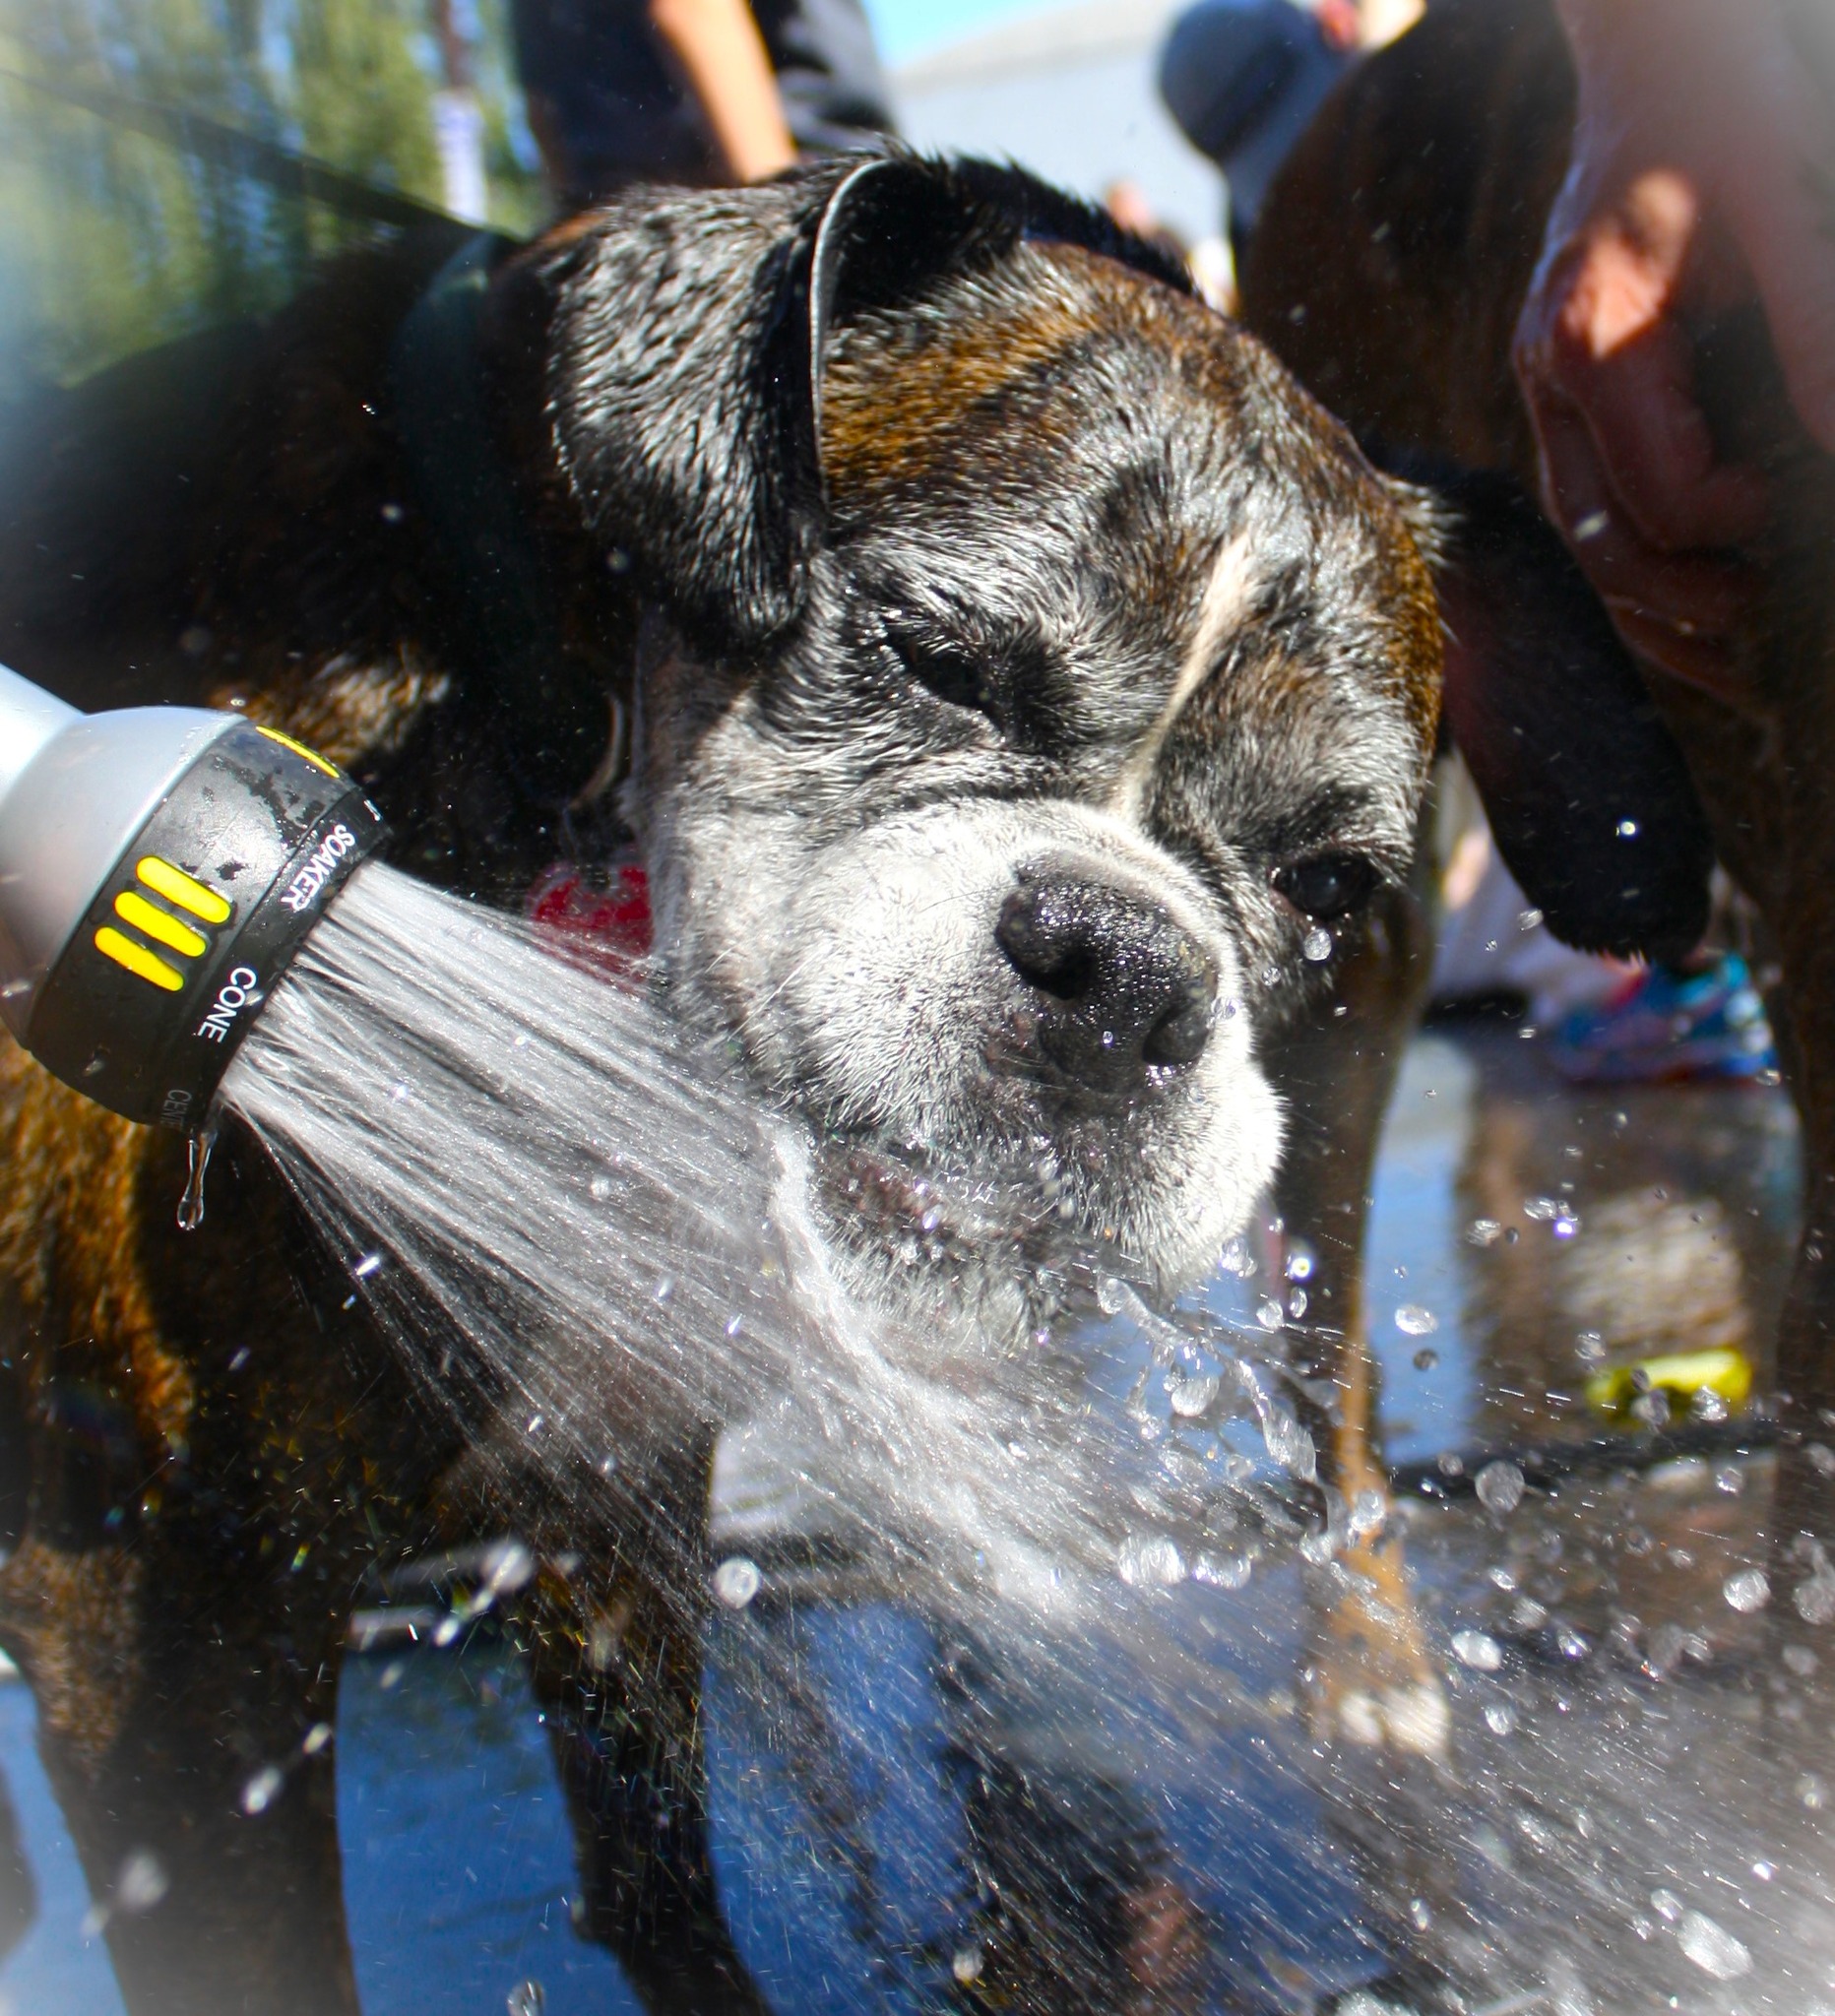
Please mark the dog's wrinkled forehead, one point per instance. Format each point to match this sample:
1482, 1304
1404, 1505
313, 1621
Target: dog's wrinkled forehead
1058, 446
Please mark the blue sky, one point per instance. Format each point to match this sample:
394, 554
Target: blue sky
908, 28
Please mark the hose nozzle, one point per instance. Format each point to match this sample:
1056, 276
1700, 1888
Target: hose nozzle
159, 868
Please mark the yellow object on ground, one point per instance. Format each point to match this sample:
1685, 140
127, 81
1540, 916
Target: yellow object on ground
1726, 1372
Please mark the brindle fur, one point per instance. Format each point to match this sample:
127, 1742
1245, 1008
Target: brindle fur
1396, 252
1039, 445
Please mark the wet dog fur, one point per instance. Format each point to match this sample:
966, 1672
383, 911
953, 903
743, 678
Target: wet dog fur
1023, 670
1402, 234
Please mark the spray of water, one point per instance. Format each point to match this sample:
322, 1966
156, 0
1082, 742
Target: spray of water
575, 1218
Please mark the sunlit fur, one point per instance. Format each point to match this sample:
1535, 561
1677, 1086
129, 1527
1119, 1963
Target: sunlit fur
1195, 641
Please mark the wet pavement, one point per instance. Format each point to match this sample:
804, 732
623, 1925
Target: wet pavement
1564, 1743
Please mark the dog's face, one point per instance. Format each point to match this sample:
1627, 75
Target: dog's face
1102, 701
1113, 693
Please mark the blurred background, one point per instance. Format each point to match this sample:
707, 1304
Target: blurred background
120, 226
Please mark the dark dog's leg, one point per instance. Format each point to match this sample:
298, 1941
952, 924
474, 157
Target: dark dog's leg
1336, 1073
187, 1741
19, 1893
617, 1670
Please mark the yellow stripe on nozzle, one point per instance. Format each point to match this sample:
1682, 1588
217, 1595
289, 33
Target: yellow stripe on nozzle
142, 963
160, 925
184, 890
312, 756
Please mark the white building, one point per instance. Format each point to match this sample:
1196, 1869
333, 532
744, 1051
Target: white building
1070, 93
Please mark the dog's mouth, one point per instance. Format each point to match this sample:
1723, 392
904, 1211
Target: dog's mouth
902, 1199
1012, 1215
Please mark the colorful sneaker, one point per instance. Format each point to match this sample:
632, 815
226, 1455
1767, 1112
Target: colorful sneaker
1668, 1024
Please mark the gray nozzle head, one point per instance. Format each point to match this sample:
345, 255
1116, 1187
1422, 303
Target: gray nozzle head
29, 718
75, 789
159, 870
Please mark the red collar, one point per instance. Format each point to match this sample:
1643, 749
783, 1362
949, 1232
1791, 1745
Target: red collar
605, 926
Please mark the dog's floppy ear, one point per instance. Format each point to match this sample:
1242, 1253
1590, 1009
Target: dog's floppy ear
685, 370
1586, 791
686, 359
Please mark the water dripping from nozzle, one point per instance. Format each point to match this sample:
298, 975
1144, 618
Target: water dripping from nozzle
197, 1148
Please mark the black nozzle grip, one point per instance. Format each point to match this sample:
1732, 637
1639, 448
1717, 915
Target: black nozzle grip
197, 923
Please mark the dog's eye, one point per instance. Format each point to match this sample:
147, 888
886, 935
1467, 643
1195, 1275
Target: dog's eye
1326, 886
950, 674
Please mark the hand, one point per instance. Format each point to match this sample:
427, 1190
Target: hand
1692, 188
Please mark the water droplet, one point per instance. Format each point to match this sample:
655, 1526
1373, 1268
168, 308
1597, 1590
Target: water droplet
1289, 1446
197, 1148
600, 1190
316, 1737
1500, 1718
1812, 1790
1541, 1209
1269, 1314
1369, 1512
1300, 1261
1816, 1598
1712, 1947
966, 1965
261, 1791
371, 1263
1482, 1231
1412, 1320
1296, 1303
1479, 1649
737, 1581
1426, 1359
1626, 829
142, 1883
1666, 1905
1749, 1589
1528, 919
527, 1999
1237, 1258
1150, 1561
1192, 1394
1590, 1348
1317, 944
1499, 1486
1222, 1571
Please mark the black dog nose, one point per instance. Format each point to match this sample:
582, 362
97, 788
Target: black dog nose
1123, 987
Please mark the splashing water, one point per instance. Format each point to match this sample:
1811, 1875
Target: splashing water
538, 1184
578, 1224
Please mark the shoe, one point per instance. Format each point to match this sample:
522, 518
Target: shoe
1669, 1024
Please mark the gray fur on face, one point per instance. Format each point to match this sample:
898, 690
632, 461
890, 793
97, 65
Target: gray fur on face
990, 697
1099, 604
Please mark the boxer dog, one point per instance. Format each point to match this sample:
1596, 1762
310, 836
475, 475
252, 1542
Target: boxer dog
1021, 695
